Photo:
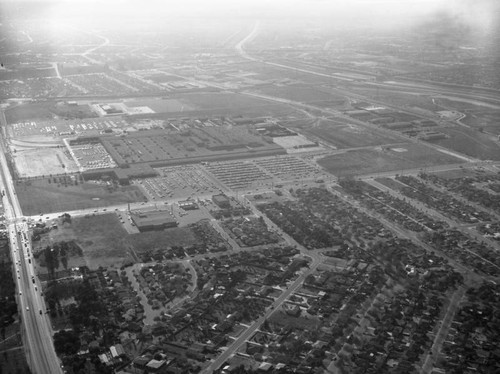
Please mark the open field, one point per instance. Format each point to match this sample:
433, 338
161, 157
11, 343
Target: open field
404, 98
163, 105
159, 77
101, 238
177, 236
470, 142
232, 104
47, 110
221, 100
484, 119
40, 196
13, 359
43, 161
343, 135
303, 93
380, 159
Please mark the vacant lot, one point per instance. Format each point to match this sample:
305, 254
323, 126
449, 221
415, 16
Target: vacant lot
177, 236
46, 110
485, 119
343, 135
40, 196
102, 238
43, 161
233, 104
365, 161
302, 93
470, 142
163, 105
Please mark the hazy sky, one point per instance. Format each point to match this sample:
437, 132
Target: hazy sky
343, 13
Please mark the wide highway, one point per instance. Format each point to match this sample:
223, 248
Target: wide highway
36, 327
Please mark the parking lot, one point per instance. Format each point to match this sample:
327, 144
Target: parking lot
179, 181
90, 126
91, 156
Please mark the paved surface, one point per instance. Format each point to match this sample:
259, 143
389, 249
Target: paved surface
36, 328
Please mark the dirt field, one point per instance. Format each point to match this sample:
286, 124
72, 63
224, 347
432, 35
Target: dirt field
102, 238
43, 161
40, 196
364, 161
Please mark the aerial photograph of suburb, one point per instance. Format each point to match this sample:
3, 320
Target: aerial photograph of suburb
249, 186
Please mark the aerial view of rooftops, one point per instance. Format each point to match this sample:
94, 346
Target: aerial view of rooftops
249, 186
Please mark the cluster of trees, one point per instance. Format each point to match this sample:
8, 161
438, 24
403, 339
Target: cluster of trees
299, 224
65, 180
8, 307
58, 255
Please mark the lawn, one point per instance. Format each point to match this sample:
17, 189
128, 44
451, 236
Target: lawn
40, 196
280, 318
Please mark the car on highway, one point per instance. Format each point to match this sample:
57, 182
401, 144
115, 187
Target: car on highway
27, 308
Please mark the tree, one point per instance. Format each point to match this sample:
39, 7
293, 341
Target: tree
66, 342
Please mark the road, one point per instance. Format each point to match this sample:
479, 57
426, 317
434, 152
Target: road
442, 331
249, 37
36, 328
233, 347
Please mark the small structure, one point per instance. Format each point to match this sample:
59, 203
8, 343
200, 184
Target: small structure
154, 366
222, 201
188, 205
